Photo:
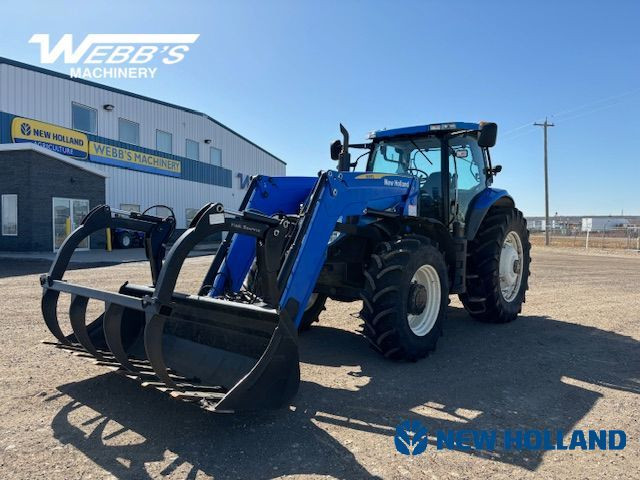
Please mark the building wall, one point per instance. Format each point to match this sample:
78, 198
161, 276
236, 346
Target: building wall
48, 98
129, 186
37, 178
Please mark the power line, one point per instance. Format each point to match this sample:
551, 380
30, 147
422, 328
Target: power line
589, 112
519, 135
595, 103
590, 104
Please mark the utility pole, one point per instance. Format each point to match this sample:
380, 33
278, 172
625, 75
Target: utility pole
545, 125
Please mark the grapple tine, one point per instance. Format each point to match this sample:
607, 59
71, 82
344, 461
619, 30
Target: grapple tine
112, 325
77, 317
49, 306
153, 346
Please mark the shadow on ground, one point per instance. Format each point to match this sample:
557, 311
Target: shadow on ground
536, 373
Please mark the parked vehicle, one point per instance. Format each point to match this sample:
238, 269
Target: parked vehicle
123, 238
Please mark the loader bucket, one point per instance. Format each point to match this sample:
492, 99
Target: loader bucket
222, 353
233, 355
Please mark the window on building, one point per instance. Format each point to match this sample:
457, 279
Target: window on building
9, 207
189, 213
130, 207
215, 156
84, 118
161, 211
128, 131
164, 141
192, 150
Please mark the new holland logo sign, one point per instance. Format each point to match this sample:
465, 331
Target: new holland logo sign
59, 139
135, 160
134, 55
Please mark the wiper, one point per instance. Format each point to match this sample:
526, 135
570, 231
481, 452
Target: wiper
420, 150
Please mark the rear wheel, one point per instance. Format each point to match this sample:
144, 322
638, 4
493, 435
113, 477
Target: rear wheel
405, 298
498, 267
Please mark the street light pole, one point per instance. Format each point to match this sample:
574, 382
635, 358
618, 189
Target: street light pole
545, 125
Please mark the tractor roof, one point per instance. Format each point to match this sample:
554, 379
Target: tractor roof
421, 129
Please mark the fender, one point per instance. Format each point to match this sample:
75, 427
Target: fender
480, 205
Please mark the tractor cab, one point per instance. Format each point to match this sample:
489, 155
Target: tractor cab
450, 160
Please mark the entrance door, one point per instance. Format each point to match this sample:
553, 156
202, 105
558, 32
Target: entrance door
67, 215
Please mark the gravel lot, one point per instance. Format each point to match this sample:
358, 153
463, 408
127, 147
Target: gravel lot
571, 361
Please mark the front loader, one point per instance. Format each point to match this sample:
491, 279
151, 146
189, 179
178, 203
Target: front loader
419, 224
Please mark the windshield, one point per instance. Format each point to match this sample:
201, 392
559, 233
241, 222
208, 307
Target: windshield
419, 157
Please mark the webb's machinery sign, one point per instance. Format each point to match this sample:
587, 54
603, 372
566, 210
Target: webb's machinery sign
59, 139
77, 145
123, 157
116, 55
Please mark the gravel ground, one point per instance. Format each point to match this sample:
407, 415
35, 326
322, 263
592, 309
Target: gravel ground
572, 361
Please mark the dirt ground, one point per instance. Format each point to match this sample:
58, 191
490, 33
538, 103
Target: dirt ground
572, 361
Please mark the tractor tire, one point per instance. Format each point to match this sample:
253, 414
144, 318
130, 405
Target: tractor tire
498, 262
125, 240
312, 313
405, 298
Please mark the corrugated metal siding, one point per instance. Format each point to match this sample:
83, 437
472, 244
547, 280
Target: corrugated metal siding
44, 97
127, 186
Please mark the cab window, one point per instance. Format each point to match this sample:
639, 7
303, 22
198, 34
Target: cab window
466, 165
467, 161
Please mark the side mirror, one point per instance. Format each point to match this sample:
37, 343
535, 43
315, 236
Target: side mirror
494, 170
336, 148
488, 134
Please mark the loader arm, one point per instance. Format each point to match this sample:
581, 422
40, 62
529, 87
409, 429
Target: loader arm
224, 348
337, 195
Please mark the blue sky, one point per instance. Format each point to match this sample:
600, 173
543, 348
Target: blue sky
284, 73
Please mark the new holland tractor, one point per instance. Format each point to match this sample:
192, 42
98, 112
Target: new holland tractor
421, 222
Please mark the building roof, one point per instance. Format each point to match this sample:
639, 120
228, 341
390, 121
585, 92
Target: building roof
53, 73
26, 146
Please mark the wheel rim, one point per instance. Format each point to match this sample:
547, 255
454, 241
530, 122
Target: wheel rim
126, 241
511, 257
422, 323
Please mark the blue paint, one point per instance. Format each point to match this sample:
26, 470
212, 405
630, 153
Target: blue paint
271, 195
336, 195
487, 197
423, 129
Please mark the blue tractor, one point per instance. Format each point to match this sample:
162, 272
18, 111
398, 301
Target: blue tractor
420, 223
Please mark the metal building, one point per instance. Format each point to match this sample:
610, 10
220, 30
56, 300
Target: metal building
146, 151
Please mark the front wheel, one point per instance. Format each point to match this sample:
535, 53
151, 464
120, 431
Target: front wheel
405, 298
498, 267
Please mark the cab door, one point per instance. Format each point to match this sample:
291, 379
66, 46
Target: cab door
466, 169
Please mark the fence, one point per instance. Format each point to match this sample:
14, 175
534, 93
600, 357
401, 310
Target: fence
619, 238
